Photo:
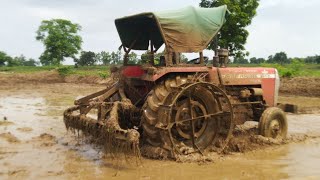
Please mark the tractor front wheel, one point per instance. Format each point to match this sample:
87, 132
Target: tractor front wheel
273, 123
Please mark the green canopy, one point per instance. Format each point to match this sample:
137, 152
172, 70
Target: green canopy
189, 29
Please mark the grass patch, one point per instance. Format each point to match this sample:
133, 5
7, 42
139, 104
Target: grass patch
288, 70
92, 70
65, 70
27, 69
294, 69
101, 71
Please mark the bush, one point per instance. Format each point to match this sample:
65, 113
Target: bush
5, 69
296, 66
286, 73
103, 75
290, 70
65, 70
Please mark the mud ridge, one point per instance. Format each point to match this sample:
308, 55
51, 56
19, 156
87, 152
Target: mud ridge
302, 86
45, 140
25, 129
9, 137
48, 78
6, 123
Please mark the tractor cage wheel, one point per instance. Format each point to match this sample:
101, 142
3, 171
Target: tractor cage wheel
224, 117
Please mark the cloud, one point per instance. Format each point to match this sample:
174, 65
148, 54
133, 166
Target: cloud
285, 25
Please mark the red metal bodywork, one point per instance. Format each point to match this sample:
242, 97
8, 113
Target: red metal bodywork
266, 78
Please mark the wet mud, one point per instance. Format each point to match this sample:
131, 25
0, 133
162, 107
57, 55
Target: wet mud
34, 144
9, 137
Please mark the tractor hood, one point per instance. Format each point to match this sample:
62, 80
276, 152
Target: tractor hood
189, 29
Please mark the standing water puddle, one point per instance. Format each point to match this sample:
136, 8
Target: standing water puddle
42, 149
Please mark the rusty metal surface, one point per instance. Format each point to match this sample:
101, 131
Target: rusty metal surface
161, 71
111, 88
108, 133
108, 128
195, 115
216, 123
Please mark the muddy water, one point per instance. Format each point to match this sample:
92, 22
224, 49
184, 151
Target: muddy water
35, 145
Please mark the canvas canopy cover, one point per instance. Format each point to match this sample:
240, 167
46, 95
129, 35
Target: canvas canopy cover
189, 29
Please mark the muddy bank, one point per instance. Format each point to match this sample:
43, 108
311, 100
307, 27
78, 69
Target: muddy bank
301, 86
47, 78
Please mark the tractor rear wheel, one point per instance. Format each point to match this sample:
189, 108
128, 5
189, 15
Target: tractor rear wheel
151, 107
185, 117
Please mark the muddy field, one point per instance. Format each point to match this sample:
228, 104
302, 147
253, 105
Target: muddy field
302, 86
34, 144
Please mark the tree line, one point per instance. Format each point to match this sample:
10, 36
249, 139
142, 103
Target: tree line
88, 58
21, 60
277, 58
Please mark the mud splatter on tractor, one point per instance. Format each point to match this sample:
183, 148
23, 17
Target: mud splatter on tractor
173, 107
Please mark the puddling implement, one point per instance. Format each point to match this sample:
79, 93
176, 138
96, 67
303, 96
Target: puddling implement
198, 112
105, 130
171, 107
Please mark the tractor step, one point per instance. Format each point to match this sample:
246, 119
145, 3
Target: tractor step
292, 108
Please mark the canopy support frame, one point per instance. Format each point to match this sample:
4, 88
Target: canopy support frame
127, 51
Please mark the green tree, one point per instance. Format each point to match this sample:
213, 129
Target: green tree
116, 57
183, 58
145, 57
260, 60
105, 58
253, 60
233, 34
312, 59
133, 58
270, 59
87, 58
240, 60
317, 59
4, 58
296, 65
281, 58
17, 61
60, 38
157, 57
31, 62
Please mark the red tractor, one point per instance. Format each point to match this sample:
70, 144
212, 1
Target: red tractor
177, 107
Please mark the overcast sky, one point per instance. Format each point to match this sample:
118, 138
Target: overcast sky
280, 25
